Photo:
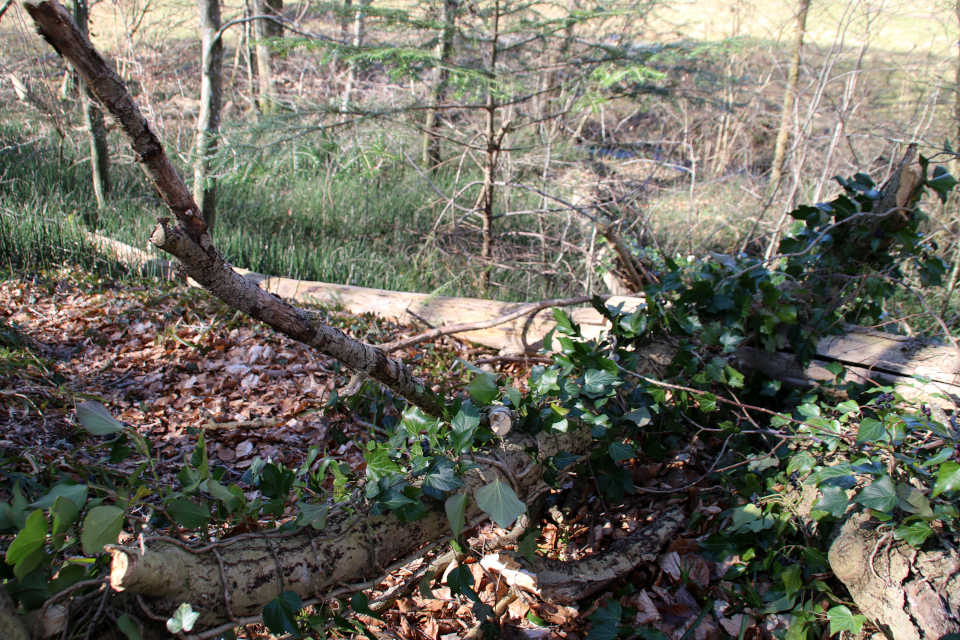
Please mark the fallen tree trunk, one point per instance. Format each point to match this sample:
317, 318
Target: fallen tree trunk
231, 580
917, 368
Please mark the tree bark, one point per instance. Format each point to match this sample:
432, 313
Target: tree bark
211, 98
188, 237
789, 96
93, 121
271, 28
267, 94
431, 142
491, 158
918, 595
359, 24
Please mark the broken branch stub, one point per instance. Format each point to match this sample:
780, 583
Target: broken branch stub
188, 238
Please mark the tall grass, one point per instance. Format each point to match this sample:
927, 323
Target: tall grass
306, 215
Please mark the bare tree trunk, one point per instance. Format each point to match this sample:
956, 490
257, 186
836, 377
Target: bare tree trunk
93, 121
273, 29
359, 23
208, 122
431, 142
345, 21
188, 238
491, 159
267, 97
789, 96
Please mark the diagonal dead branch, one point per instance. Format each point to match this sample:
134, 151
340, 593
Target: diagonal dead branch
188, 237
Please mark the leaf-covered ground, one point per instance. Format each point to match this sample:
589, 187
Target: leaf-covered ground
169, 360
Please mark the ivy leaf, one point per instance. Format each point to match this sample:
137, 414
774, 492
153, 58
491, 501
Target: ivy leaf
128, 627
26, 550
543, 382
620, 451
64, 513
792, 579
183, 619
464, 425
361, 604
460, 580
802, 462
597, 381
948, 479
276, 482
564, 323
833, 367
483, 389
456, 507
912, 500
76, 493
879, 495
97, 420
528, 544
379, 464
914, 533
842, 619
639, 417
871, 430
833, 500
441, 477
280, 614
189, 514
848, 406
314, 515
101, 527
500, 502
708, 402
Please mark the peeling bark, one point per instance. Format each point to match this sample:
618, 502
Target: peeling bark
908, 594
188, 237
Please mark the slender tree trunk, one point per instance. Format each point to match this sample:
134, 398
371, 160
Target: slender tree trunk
345, 21
93, 121
211, 98
490, 162
273, 29
267, 98
359, 24
789, 96
431, 142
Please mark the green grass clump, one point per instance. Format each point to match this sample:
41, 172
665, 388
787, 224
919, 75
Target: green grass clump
328, 219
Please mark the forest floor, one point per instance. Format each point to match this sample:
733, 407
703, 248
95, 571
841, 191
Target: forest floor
171, 361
